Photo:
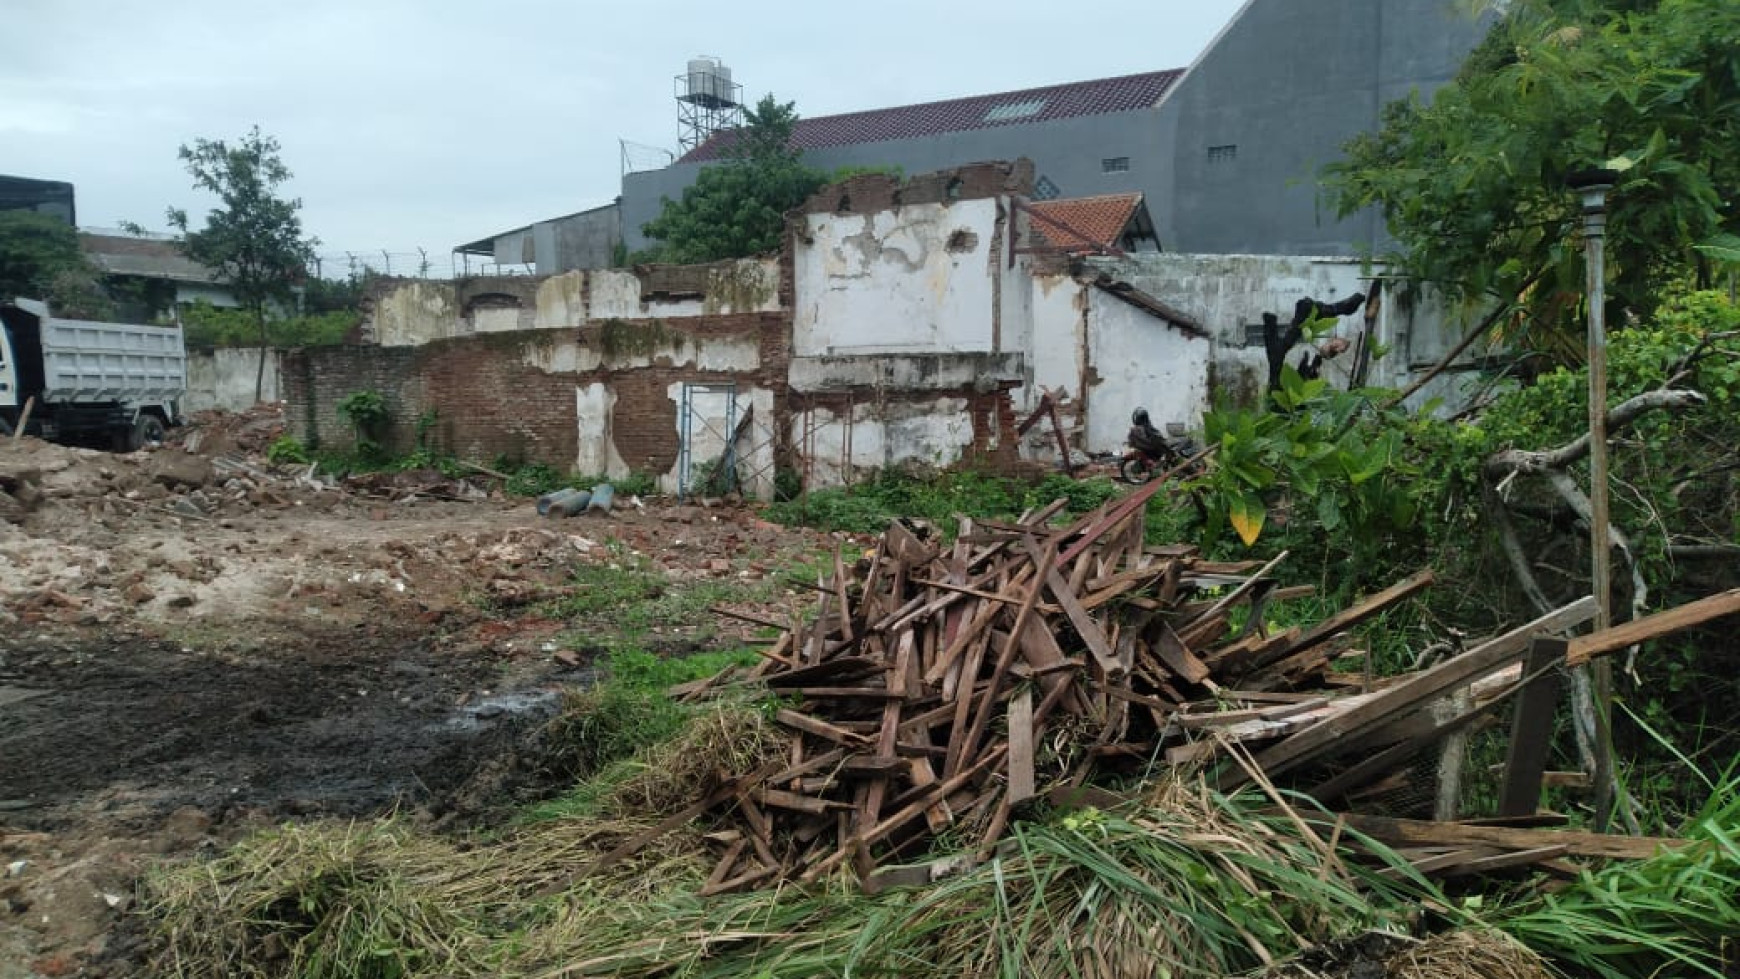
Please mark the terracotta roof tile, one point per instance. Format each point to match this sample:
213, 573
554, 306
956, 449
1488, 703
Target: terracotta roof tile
1066, 101
1083, 223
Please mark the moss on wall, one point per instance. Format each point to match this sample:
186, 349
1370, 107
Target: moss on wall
738, 287
618, 338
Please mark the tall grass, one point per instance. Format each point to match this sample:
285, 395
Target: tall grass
1189, 884
1677, 914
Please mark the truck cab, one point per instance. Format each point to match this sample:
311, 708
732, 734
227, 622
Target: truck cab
118, 385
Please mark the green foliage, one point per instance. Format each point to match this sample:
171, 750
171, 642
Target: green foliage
1330, 460
367, 413
1188, 884
1675, 914
365, 410
869, 507
1473, 184
534, 479
537, 478
631, 602
287, 449
634, 484
40, 258
253, 240
737, 208
628, 714
210, 326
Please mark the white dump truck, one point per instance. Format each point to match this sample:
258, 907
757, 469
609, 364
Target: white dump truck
116, 385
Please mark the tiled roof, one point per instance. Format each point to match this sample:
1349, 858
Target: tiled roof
1083, 223
1065, 101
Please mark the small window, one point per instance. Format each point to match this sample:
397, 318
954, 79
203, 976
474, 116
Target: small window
1045, 190
1115, 164
1223, 154
1015, 110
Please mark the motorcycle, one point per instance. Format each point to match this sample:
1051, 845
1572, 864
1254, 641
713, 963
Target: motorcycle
1151, 452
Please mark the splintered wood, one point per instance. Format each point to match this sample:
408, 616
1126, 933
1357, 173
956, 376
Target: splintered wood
941, 687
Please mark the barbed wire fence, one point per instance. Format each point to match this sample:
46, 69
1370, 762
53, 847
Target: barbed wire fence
419, 264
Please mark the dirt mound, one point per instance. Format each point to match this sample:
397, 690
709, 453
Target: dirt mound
215, 432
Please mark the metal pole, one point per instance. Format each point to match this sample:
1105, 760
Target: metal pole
1593, 187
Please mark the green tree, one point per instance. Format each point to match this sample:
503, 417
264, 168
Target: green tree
737, 208
254, 240
40, 258
1473, 183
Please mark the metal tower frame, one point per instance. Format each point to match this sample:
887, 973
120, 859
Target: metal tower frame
700, 115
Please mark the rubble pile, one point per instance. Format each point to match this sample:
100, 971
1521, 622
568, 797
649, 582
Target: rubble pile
249, 433
942, 687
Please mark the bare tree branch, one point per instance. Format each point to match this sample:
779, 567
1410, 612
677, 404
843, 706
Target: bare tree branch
1528, 463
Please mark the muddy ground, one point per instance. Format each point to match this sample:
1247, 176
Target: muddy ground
170, 681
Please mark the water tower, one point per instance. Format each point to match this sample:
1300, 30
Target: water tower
707, 101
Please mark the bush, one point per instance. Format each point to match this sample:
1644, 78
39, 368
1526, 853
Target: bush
206, 325
287, 450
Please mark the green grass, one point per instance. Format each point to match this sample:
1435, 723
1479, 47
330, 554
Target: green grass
1674, 914
601, 730
629, 599
940, 498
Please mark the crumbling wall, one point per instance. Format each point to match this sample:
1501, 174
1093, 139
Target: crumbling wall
600, 399
888, 266
905, 344
407, 312
1140, 361
840, 437
401, 312
1229, 293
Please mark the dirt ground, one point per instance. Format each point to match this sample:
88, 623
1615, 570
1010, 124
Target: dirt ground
189, 651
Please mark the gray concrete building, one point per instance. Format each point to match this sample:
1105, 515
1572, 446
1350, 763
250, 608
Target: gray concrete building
583, 240
1225, 152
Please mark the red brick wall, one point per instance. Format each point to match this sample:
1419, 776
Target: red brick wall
490, 402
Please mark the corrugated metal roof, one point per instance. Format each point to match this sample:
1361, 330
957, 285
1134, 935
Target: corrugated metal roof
1066, 101
154, 258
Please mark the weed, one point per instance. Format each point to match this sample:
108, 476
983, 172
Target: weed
940, 498
287, 450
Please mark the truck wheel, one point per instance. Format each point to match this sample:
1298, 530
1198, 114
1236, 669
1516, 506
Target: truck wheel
147, 429
5, 428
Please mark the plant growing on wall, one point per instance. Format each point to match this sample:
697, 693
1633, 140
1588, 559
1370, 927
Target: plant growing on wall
367, 413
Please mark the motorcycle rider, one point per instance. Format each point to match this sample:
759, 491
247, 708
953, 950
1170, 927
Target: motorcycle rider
1148, 440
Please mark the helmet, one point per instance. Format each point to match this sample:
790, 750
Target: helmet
1139, 417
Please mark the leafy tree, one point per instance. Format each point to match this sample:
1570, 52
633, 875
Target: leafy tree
1473, 184
40, 258
254, 240
737, 208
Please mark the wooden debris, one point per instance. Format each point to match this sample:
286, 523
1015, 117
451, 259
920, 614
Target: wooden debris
937, 689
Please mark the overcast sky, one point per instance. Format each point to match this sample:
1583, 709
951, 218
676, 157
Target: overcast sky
431, 123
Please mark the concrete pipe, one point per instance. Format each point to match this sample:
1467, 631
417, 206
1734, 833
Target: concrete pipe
569, 505
603, 497
549, 500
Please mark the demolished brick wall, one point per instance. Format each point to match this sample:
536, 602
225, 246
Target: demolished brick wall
514, 394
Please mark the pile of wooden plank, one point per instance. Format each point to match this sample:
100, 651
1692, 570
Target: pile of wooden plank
939, 687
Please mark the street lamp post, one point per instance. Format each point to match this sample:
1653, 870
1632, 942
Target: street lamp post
1592, 187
